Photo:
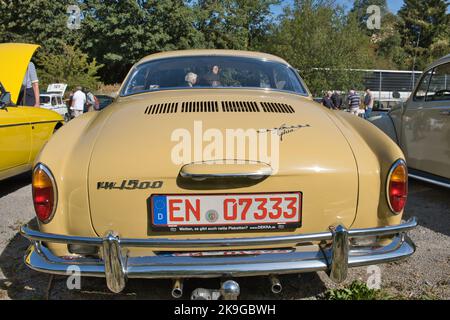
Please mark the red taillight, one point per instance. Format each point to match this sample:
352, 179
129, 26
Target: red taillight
397, 186
44, 193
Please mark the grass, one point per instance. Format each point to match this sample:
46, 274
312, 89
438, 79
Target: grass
357, 290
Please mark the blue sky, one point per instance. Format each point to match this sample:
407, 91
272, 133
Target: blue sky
393, 5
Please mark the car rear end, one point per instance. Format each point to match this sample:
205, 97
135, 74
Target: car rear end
218, 182
152, 218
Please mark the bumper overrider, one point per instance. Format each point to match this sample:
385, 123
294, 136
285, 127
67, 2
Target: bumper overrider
335, 257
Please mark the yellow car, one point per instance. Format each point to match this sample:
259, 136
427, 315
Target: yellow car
23, 130
217, 163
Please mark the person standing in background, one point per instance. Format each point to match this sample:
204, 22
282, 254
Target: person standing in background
327, 102
368, 103
78, 102
337, 100
353, 102
92, 101
29, 93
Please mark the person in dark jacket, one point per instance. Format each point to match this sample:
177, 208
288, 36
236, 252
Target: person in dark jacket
327, 102
337, 100
213, 77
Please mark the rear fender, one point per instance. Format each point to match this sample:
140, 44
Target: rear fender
374, 153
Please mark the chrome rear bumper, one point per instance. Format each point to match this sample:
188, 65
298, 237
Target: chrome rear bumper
116, 266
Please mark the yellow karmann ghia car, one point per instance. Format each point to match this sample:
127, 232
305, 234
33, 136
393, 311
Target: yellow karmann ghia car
23, 130
217, 163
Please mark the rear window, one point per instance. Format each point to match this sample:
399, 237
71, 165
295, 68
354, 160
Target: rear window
212, 72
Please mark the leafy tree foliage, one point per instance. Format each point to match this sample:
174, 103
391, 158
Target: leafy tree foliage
360, 10
119, 33
325, 38
72, 67
36, 21
233, 24
387, 44
316, 36
425, 31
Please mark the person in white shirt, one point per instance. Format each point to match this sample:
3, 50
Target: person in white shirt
78, 102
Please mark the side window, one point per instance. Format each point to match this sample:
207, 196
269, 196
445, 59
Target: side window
422, 88
439, 88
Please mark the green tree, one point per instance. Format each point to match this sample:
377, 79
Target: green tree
323, 43
119, 33
233, 24
71, 66
384, 41
425, 31
387, 44
42, 22
360, 10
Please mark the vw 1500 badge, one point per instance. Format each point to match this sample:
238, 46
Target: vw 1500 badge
129, 185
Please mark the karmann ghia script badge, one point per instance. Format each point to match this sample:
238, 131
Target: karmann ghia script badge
284, 129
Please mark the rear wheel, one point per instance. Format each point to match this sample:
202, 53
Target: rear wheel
66, 117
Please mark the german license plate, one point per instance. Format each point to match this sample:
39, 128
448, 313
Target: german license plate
225, 212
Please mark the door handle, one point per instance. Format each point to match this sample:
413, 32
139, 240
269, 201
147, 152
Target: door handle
445, 113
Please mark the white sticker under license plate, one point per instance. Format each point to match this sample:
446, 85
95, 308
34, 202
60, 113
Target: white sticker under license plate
225, 212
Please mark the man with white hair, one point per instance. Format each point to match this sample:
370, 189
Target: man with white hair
353, 102
191, 79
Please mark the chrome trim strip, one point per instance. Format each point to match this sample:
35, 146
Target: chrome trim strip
35, 235
28, 123
438, 183
40, 258
117, 267
384, 231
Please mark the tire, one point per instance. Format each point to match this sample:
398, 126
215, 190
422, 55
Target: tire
66, 117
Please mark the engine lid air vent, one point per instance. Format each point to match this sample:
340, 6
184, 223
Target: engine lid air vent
277, 107
213, 106
239, 106
162, 108
200, 106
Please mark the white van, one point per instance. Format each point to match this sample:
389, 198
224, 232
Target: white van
53, 99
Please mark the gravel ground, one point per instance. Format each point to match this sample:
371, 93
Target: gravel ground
424, 275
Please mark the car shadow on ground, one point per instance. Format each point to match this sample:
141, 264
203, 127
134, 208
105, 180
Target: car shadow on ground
23, 283
430, 204
15, 183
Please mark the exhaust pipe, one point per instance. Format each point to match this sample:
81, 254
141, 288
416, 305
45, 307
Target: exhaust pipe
275, 285
177, 289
